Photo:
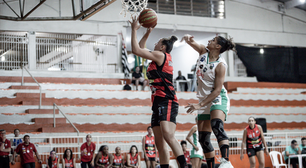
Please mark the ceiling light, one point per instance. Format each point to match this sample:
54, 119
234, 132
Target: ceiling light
262, 51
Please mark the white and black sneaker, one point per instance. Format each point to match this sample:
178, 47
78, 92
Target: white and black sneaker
225, 164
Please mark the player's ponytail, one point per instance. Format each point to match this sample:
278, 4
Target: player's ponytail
168, 42
226, 44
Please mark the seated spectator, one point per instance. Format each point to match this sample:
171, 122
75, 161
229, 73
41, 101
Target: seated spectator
132, 158
303, 150
52, 161
138, 79
293, 149
118, 160
5, 149
68, 161
186, 153
183, 86
103, 158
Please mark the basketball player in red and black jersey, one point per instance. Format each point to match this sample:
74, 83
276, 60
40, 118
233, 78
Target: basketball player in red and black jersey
103, 158
133, 158
165, 103
148, 147
118, 160
256, 144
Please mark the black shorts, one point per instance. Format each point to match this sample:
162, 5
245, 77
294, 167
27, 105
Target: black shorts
134, 82
151, 159
252, 151
163, 110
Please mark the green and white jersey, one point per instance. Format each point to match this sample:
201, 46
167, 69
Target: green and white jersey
205, 71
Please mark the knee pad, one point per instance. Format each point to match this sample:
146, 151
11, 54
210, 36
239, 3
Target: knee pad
204, 139
218, 129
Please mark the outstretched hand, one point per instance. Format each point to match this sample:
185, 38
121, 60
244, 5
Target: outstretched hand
134, 23
192, 107
187, 38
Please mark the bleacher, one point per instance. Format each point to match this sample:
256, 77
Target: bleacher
115, 117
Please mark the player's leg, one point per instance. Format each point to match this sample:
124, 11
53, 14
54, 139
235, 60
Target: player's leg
261, 158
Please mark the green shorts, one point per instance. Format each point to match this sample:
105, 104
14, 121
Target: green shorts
221, 102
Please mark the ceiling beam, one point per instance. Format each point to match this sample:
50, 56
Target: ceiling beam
266, 0
292, 4
40, 3
91, 9
85, 17
36, 18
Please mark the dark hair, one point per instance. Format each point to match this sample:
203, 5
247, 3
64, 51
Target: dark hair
50, 159
65, 155
293, 141
101, 148
168, 42
132, 147
26, 136
148, 127
88, 135
226, 44
252, 117
183, 142
16, 130
304, 138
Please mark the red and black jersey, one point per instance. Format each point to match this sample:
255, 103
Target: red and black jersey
133, 160
253, 137
187, 156
117, 160
150, 146
104, 160
68, 163
54, 163
163, 77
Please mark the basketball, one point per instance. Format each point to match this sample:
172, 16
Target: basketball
148, 18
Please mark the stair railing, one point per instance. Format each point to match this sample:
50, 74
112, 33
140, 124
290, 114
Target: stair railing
54, 125
22, 83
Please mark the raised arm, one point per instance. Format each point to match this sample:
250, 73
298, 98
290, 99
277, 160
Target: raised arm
243, 144
192, 130
155, 56
142, 42
200, 48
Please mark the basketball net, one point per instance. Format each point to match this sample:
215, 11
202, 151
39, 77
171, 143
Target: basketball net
133, 6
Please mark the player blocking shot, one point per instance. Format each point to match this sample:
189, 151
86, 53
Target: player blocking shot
213, 103
164, 100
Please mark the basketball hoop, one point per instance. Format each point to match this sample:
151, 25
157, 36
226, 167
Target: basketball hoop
133, 6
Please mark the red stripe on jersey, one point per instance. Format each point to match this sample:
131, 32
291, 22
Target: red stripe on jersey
169, 110
160, 93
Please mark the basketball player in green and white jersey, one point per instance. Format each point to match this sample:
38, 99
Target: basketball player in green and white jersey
213, 103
